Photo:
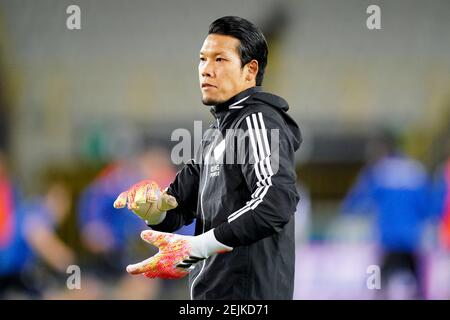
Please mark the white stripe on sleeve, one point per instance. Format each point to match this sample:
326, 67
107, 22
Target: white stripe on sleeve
262, 156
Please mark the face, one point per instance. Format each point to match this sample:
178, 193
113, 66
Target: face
220, 71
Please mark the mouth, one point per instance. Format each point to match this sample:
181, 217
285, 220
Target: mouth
207, 85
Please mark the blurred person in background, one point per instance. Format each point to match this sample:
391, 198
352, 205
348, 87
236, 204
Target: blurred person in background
395, 188
441, 198
441, 212
110, 235
10, 249
9, 199
37, 257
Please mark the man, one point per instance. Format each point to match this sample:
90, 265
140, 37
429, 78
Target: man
394, 187
35, 243
244, 209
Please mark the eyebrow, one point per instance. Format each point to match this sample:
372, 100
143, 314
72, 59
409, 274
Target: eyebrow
214, 53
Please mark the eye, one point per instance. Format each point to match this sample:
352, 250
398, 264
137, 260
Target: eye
220, 59
202, 59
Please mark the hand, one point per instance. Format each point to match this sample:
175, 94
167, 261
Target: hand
177, 254
147, 201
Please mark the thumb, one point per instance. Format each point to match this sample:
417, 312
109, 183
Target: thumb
167, 202
121, 200
143, 266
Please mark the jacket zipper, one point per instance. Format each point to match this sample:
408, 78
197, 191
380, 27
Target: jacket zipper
201, 205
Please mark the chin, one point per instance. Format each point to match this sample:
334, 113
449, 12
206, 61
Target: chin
207, 101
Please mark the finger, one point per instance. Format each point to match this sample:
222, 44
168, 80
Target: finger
148, 265
152, 192
156, 238
141, 194
132, 194
130, 198
158, 266
121, 200
173, 273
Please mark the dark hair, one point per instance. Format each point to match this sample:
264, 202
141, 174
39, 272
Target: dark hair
252, 45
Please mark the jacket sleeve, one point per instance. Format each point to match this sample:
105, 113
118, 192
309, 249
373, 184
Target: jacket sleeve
269, 172
185, 189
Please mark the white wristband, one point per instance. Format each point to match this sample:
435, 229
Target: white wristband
206, 244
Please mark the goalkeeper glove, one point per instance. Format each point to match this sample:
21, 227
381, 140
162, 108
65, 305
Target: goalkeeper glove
177, 254
147, 201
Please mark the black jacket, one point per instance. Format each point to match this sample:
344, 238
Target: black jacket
248, 195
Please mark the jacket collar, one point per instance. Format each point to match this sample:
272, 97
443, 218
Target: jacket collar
233, 103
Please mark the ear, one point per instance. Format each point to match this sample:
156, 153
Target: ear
251, 70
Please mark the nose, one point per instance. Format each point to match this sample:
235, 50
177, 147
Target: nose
206, 69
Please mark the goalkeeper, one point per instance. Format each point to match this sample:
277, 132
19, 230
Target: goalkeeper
243, 195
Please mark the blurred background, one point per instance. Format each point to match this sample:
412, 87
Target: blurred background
86, 113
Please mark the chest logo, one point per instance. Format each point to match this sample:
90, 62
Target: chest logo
214, 171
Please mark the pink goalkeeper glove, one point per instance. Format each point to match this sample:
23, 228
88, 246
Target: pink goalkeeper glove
177, 254
147, 201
